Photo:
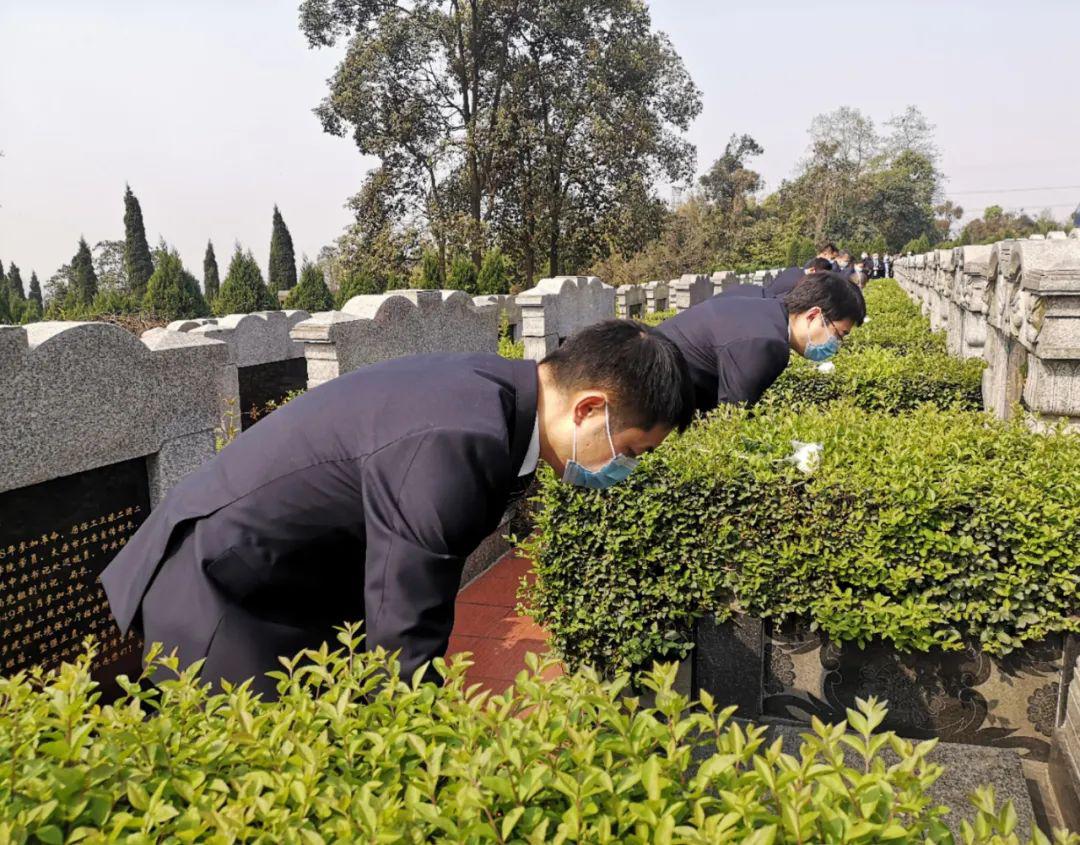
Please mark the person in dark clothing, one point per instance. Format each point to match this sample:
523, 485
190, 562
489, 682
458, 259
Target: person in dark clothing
828, 252
844, 265
737, 346
783, 284
362, 498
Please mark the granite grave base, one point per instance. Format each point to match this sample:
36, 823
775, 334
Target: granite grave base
786, 671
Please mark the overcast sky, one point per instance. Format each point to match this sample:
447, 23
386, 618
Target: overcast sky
205, 108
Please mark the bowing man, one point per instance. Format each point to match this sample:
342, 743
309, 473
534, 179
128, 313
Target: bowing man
737, 346
362, 498
783, 284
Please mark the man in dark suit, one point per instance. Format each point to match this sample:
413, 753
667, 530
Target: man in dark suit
844, 265
362, 498
828, 252
783, 284
737, 346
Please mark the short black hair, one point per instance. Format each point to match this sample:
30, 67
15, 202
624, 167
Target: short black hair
837, 298
643, 373
827, 246
820, 265
843, 253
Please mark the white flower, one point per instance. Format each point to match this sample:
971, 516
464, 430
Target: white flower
865, 320
805, 456
826, 367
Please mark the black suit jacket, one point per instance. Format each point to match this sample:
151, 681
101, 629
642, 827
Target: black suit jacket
735, 346
784, 282
358, 500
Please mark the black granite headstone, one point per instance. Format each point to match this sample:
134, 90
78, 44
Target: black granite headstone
55, 539
729, 662
263, 383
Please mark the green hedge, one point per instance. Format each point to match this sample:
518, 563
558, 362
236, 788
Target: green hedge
352, 753
883, 379
895, 322
924, 529
656, 318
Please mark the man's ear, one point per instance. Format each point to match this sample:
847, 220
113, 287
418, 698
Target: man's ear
587, 404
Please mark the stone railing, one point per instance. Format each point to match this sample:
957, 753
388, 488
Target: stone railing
1016, 304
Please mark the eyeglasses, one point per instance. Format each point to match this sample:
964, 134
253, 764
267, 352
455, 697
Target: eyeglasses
832, 325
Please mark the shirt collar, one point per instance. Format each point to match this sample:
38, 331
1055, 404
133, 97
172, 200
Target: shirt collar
532, 456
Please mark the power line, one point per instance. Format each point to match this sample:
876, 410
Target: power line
1017, 190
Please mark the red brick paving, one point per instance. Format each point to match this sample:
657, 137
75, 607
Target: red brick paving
487, 624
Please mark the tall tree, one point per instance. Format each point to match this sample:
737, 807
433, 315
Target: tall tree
211, 281
172, 292
535, 119
84, 279
282, 271
243, 290
35, 291
15, 284
137, 258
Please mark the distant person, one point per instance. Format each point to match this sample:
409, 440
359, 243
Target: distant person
828, 252
887, 260
361, 499
844, 265
736, 346
783, 284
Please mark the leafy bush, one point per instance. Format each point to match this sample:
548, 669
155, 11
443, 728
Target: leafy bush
462, 274
172, 293
883, 379
925, 529
351, 752
655, 319
494, 276
895, 322
358, 283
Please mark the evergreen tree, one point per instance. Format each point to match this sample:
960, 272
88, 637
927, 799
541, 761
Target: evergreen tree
211, 281
311, 293
35, 291
5, 311
282, 273
3, 278
84, 279
494, 276
15, 284
462, 274
358, 283
137, 259
31, 312
430, 277
172, 292
243, 290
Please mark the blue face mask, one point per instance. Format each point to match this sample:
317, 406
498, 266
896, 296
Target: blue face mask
823, 351
614, 471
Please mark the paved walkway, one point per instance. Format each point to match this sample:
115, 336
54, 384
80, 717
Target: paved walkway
487, 624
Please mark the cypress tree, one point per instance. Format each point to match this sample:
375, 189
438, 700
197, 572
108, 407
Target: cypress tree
137, 259
5, 311
172, 292
430, 276
282, 273
84, 279
35, 291
15, 284
494, 276
3, 278
243, 290
311, 293
211, 281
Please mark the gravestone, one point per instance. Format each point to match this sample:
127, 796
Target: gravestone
690, 290
96, 426
656, 297
508, 309
629, 301
269, 364
558, 307
406, 322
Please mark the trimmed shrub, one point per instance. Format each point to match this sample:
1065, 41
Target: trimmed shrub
895, 322
243, 290
351, 752
172, 293
926, 529
882, 379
